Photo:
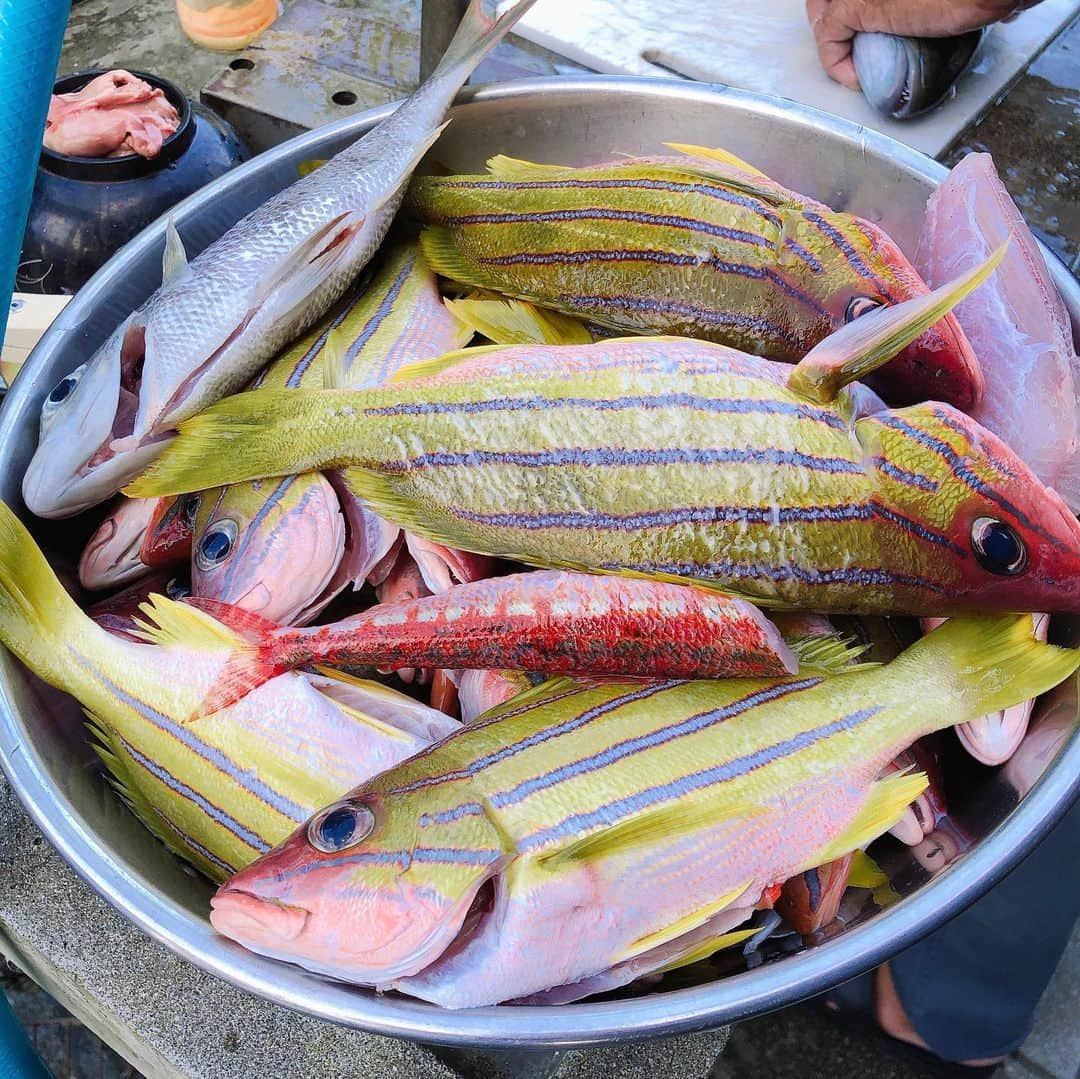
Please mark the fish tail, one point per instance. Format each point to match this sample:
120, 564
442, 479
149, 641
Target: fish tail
993, 662
253, 660
245, 437
38, 619
476, 36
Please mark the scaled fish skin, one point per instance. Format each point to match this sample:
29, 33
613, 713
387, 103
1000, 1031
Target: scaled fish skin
552, 622
246, 535
703, 246
213, 324
669, 456
224, 789
583, 835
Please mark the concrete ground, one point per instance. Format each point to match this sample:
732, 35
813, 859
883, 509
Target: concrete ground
1034, 135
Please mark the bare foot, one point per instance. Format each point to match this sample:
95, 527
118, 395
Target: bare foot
894, 1021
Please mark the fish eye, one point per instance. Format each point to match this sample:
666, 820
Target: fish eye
63, 389
858, 306
216, 544
998, 547
177, 590
340, 827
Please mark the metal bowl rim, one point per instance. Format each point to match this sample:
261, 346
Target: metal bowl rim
664, 1014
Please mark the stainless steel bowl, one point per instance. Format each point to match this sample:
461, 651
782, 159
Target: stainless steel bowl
42, 745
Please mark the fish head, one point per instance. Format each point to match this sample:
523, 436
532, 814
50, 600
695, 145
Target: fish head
1003, 541
246, 538
938, 365
78, 462
111, 556
361, 892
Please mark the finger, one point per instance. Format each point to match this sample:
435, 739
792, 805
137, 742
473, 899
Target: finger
815, 9
833, 34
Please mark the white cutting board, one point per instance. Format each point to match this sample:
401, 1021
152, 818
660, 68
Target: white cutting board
767, 46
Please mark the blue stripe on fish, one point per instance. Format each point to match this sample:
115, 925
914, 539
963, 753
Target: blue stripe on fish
710, 191
401, 858
614, 811
505, 752
636, 217
381, 314
854, 259
631, 746
192, 843
318, 345
211, 754
215, 813
608, 457
668, 258
902, 475
704, 315
697, 402
247, 536
862, 576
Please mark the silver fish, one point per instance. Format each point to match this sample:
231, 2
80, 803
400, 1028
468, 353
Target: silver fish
215, 322
905, 76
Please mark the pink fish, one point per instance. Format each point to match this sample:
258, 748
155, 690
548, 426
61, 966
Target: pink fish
112, 554
1016, 322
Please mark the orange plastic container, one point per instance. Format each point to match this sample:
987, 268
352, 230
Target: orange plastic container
226, 25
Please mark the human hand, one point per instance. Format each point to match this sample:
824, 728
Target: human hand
836, 22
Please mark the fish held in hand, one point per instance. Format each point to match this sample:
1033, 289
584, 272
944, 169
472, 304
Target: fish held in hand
551, 622
903, 76
215, 322
678, 458
703, 246
225, 789
623, 821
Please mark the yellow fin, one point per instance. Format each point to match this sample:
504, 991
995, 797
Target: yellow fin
827, 653
862, 346
332, 357
175, 623
653, 826
516, 322
514, 168
305, 168
684, 925
865, 872
442, 254
707, 948
427, 368
726, 167
887, 800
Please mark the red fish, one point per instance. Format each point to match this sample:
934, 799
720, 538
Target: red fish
553, 622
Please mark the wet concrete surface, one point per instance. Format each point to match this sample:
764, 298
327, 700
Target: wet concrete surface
1034, 137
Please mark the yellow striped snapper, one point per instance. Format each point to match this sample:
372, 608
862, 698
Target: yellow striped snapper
704, 246
225, 789
637, 826
683, 459
214, 323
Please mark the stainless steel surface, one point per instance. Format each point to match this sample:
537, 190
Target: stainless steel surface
316, 64
438, 21
569, 120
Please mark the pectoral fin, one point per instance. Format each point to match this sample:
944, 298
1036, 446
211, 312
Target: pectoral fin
515, 322
862, 346
888, 798
174, 262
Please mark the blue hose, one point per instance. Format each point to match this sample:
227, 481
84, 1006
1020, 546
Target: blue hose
31, 33
17, 1057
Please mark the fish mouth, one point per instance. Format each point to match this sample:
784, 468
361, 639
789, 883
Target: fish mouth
256, 922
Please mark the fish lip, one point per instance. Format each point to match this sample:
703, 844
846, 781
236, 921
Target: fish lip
269, 919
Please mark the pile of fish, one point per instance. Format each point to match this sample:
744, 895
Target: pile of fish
527, 670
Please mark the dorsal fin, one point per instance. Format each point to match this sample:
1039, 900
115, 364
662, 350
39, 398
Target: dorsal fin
513, 168
174, 262
714, 164
862, 346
